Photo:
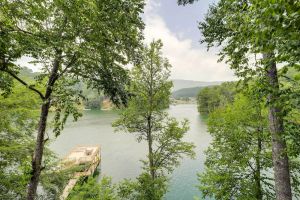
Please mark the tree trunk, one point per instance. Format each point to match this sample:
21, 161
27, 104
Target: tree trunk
38, 154
257, 176
150, 150
149, 121
39, 146
279, 153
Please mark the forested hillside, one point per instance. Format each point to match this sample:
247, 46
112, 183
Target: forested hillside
93, 99
211, 98
186, 92
179, 84
183, 89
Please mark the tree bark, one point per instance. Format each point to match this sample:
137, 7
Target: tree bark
259, 195
257, 174
279, 150
149, 121
38, 153
150, 149
39, 147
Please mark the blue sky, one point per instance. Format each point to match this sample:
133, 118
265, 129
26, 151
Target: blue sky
177, 27
184, 19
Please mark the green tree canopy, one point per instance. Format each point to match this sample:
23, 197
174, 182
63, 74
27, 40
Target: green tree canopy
239, 157
19, 117
254, 37
73, 41
146, 117
212, 97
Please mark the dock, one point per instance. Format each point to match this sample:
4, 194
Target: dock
80, 155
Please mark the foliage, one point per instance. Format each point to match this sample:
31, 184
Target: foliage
256, 36
239, 158
146, 117
6, 84
54, 178
90, 189
244, 30
72, 43
212, 97
19, 114
87, 51
91, 98
143, 188
185, 2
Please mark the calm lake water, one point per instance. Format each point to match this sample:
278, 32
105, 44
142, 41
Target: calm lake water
121, 153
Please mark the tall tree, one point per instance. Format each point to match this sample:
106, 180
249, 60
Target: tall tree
239, 159
268, 28
146, 117
72, 41
239, 154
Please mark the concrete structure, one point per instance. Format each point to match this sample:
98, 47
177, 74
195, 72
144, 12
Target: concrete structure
80, 155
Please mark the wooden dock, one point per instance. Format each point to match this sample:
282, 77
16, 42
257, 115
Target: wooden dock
80, 155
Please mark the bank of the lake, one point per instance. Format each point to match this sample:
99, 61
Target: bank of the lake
121, 153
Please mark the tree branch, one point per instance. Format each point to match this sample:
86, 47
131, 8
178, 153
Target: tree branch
73, 60
24, 83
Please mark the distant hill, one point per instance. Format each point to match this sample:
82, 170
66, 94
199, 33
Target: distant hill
93, 99
186, 92
181, 84
26, 72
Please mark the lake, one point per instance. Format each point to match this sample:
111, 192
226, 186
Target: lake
121, 153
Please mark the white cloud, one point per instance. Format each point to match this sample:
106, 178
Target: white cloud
151, 5
188, 62
26, 61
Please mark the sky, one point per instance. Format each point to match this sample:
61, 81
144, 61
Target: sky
177, 27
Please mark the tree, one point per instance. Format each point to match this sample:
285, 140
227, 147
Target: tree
268, 28
212, 97
239, 160
146, 117
19, 111
125, 190
239, 155
52, 180
72, 40
19, 117
185, 2
91, 189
